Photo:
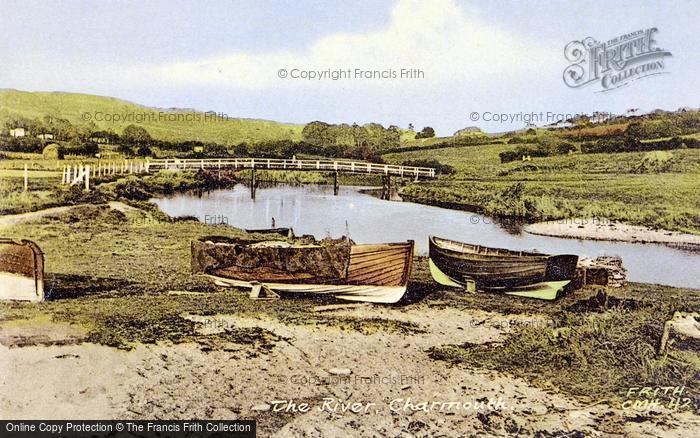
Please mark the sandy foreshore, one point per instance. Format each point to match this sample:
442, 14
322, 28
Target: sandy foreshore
595, 229
393, 386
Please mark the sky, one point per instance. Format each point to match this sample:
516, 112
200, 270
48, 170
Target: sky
486, 57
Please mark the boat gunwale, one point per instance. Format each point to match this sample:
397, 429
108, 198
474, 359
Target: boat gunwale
509, 253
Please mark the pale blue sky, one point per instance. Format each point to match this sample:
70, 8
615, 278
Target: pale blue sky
503, 56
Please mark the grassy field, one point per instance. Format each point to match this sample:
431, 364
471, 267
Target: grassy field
615, 186
73, 106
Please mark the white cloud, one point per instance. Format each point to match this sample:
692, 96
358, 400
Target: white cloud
448, 43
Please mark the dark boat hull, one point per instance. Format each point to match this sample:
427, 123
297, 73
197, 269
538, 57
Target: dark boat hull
499, 269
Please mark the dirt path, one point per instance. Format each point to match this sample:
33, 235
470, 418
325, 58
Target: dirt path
14, 219
387, 374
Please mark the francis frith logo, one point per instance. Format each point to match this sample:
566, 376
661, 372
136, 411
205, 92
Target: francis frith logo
614, 63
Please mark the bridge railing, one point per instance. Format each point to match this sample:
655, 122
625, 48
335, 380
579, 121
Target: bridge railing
344, 166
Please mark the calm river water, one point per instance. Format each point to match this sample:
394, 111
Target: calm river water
314, 210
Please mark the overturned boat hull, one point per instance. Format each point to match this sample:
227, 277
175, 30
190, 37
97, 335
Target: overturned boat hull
370, 273
21, 271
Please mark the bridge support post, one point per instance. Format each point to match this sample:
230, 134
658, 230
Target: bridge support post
386, 187
335, 184
253, 182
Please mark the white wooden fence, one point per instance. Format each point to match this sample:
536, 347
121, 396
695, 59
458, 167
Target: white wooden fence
81, 173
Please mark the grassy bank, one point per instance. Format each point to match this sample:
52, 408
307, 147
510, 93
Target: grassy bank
111, 272
622, 186
596, 347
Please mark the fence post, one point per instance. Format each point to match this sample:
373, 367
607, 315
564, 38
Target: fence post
26, 177
87, 178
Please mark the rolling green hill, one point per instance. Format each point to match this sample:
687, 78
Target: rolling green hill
162, 124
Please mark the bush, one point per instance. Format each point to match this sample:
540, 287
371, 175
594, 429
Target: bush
22, 144
630, 144
427, 132
655, 162
440, 168
132, 187
565, 147
53, 152
144, 151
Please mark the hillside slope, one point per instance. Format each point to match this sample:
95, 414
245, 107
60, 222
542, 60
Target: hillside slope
170, 124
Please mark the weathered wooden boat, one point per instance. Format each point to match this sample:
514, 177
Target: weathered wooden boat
21, 271
375, 273
522, 273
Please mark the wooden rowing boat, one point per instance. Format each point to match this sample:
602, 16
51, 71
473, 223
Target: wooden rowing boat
21, 271
375, 273
455, 263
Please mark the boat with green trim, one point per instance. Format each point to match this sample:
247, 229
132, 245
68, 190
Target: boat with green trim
522, 273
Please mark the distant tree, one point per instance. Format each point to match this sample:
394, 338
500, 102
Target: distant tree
316, 133
426, 132
137, 135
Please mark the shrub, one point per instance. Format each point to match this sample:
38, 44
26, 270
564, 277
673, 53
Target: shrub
440, 168
53, 152
655, 162
565, 147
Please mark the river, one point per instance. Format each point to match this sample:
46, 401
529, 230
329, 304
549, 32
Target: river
312, 209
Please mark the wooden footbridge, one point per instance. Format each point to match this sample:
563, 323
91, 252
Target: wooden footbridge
72, 175
386, 171
338, 166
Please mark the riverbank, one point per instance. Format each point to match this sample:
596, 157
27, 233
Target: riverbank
595, 229
564, 187
138, 321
